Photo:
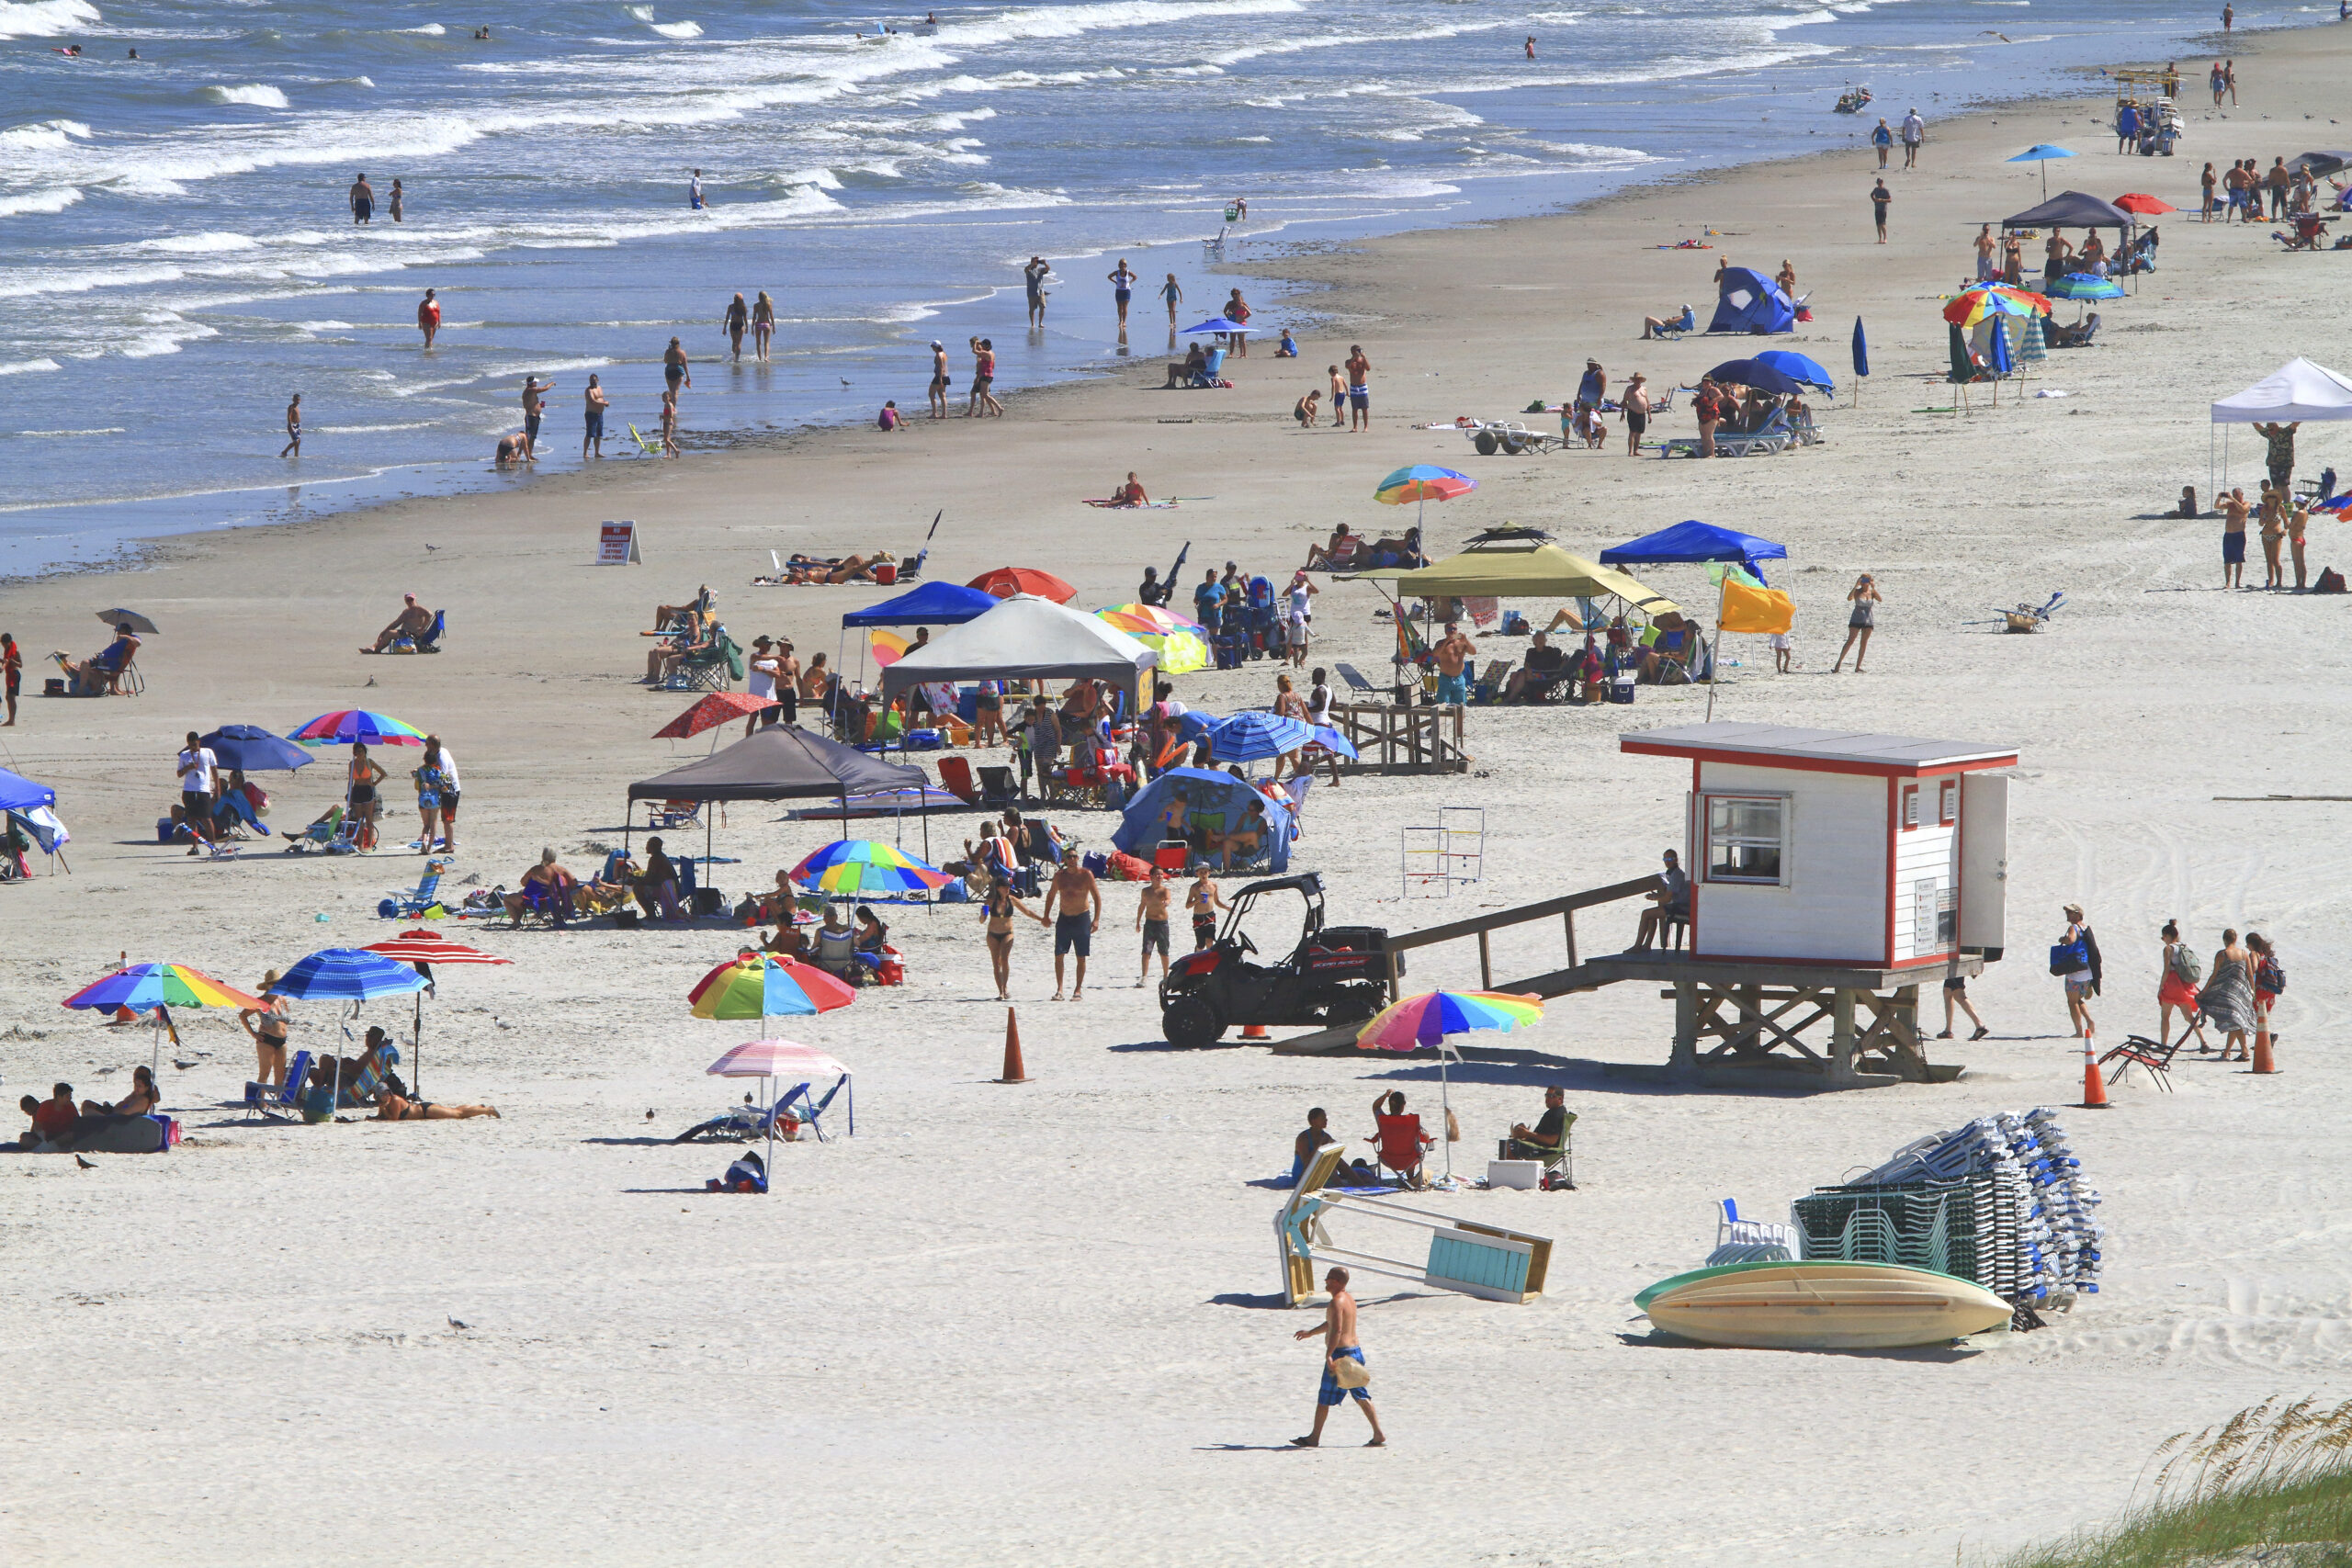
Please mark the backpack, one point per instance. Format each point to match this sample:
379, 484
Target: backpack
2187, 964
2331, 581
2269, 976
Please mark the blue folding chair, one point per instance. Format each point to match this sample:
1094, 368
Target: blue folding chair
270, 1101
812, 1110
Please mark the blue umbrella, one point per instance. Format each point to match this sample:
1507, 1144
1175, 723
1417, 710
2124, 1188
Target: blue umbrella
2041, 152
1797, 367
348, 975
1757, 374
2002, 362
254, 749
1218, 325
1255, 736
1331, 740
1861, 350
2084, 286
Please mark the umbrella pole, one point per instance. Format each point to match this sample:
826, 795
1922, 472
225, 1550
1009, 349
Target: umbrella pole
416, 1043
1445, 1100
1715, 654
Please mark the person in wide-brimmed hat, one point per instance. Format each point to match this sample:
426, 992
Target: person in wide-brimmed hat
267, 1025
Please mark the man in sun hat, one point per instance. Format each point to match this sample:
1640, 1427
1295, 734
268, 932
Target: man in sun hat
414, 621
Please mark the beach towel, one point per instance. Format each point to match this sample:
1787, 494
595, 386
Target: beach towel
2227, 1001
1132, 506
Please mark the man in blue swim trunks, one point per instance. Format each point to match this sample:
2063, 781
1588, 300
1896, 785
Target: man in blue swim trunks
1073, 891
1453, 655
1338, 1331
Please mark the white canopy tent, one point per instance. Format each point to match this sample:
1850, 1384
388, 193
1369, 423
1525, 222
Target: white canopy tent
1028, 639
2297, 391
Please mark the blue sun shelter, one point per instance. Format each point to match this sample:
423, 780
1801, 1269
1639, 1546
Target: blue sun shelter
1747, 301
1214, 802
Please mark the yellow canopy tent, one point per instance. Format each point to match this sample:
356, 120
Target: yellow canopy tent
1538, 571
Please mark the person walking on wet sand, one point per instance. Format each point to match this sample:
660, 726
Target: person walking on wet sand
428, 317
938, 379
12, 667
293, 428
673, 368
1915, 130
1859, 622
1173, 293
1340, 1344
596, 404
1359, 388
1122, 285
1880, 197
736, 320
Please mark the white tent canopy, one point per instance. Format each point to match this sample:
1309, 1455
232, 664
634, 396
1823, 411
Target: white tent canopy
1026, 638
2296, 391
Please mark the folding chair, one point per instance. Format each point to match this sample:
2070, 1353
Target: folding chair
668, 816
1488, 687
956, 775
1402, 1144
812, 1110
1561, 1159
651, 448
999, 788
270, 1101
1749, 1241
2151, 1054
402, 904
1172, 855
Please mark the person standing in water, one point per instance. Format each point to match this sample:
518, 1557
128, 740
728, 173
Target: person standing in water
694, 191
293, 428
1173, 294
363, 201
597, 403
534, 404
736, 319
1123, 284
1033, 282
428, 317
1531, 46
763, 325
396, 201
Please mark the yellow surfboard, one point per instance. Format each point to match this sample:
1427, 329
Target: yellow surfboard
1821, 1305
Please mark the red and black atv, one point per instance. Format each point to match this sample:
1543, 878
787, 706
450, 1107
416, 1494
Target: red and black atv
1337, 973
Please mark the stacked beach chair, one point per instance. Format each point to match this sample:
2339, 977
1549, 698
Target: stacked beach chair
1999, 1203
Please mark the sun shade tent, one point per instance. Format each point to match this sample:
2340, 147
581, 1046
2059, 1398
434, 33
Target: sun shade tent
18, 793
941, 604
1027, 638
1747, 301
778, 763
2072, 209
1206, 790
1692, 544
1541, 571
2319, 163
2297, 389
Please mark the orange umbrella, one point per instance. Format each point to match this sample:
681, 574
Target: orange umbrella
719, 707
423, 948
2150, 205
1007, 581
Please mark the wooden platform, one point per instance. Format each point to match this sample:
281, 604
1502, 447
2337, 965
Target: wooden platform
1419, 740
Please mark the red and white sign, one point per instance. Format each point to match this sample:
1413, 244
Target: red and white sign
617, 544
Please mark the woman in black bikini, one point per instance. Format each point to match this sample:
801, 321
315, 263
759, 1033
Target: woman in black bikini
360, 802
392, 1108
267, 1025
1000, 906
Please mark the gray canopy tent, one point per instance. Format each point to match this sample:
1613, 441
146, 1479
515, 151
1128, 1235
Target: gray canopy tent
781, 762
2077, 210
1029, 638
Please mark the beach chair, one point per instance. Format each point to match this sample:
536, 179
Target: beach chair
999, 788
1770, 437
711, 668
651, 448
812, 1109
1356, 683
1750, 1241
404, 903
1344, 557
267, 1102
2140, 1051
1207, 376
667, 815
956, 776
1172, 855
1559, 1160
1401, 1143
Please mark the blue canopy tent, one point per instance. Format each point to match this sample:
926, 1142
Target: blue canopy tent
948, 604
1695, 543
1204, 791
18, 793
1747, 301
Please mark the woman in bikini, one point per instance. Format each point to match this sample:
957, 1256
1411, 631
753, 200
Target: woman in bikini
1000, 906
392, 1108
360, 799
762, 324
267, 1025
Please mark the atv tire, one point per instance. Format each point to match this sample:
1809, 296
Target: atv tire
1190, 1023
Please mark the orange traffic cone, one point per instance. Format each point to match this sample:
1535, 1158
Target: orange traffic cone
2262, 1059
1014, 1072
1254, 1032
2093, 1087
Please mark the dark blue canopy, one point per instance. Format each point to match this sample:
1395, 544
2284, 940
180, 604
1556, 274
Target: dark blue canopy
254, 749
1757, 374
1689, 543
20, 793
944, 603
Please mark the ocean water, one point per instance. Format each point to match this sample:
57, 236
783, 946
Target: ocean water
176, 256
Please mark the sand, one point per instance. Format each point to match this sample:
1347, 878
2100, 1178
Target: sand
1039, 1324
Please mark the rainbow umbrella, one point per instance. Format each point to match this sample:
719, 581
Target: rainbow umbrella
1182, 645
2338, 504
1973, 305
1435, 1018
863, 865
157, 987
762, 986
356, 726
1421, 483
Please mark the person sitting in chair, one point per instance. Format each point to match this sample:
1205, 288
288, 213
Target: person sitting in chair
1669, 655
1545, 1140
1544, 665
1669, 902
868, 941
100, 674
1248, 837
554, 884
657, 886
1339, 547
836, 945
692, 636
410, 625
1656, 326
1193, 366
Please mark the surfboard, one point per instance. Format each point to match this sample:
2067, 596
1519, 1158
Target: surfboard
1820, 1304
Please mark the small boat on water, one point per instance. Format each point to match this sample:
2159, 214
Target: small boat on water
1853, 100
1821, 1305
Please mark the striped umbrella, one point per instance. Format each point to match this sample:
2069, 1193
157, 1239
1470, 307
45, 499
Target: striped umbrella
763, 986
1182, 645
1433, 1019
423, 949
1420, 483
158, 988
1973, 305
356, 725
347, 975
863, 865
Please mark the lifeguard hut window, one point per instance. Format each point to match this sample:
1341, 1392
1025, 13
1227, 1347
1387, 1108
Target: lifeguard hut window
1746, 838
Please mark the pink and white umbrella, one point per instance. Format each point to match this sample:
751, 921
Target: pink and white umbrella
777, 1059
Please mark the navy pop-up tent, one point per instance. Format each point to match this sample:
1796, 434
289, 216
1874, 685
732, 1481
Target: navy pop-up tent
947, 604
1747, 301
1695, 543
1205, 790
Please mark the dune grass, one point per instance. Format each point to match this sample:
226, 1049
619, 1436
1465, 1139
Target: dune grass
2270, 1485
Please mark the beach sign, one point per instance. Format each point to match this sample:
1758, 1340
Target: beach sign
617, 544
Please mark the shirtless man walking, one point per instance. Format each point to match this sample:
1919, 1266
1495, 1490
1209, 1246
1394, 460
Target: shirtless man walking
1359, 388
1338, 1331
1080, 899
293, 428
534, 404
1453, 656
428, 317
1151, 919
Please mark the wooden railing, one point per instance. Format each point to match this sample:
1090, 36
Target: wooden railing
1419, 740
1483, 927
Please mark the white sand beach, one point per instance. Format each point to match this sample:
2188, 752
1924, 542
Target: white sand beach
1041, 1324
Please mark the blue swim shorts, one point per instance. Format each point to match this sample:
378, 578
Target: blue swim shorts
1454, 688
1331, 1393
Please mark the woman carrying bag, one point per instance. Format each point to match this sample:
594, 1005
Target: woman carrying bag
2076, 960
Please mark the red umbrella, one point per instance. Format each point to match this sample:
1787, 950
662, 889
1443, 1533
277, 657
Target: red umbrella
1007, 581
715, 709
2136, 202
423, 949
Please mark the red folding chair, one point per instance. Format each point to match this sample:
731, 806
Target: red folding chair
1401, 1143
956, 774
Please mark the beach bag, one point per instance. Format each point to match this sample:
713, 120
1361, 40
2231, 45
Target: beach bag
1348, 1372
2187, 965
2069, 957
2331, 581
2269, 976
